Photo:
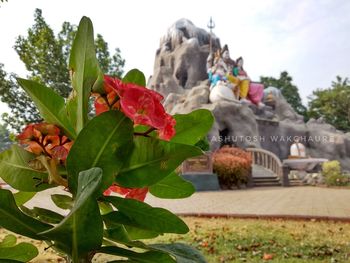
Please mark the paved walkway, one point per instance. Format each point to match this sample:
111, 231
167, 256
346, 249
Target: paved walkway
308, 202
300, 202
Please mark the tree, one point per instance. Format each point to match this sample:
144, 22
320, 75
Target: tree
5, 141
333, 104
112, 66
46, 59
289, 91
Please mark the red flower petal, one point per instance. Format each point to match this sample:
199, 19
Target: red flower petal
59, 152
132, 193
47, 129
138, 194
34, 147
168, 131
100, 105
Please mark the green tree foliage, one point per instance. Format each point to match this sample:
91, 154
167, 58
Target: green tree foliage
5, 141
289, 91
333, 104
46, 59
111, 65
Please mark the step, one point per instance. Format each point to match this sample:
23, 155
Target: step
274, 178
295, 182
267, 184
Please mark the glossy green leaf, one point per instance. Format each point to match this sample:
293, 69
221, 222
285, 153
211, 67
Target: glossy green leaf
85, 73
190, 128
50, 105
152, 160
17, 173
153, 219
172, 187
14, 220
182, 252
62, 201
135, 76
105, 143
105, 208
23, 197
8, 241
47, 216
82, 229
23, 252
137, 257
117, 233
134, 230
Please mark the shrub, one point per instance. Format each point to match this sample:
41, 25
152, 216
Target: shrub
232, 165
333, 175
129, 137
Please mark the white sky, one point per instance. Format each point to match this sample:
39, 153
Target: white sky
310, 39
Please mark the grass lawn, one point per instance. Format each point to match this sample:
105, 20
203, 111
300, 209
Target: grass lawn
250, 240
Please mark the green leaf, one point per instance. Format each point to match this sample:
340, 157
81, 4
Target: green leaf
172, 187
82, 229
158, 220
17, 173
23, 197
135, 76
182, 252
23, 252
8, 241
117, 233
62, 201
190, 128
50, 105
105, 208
47, 216
152, 160
144, 257
134, 230
85, 73
14, 220
105, 143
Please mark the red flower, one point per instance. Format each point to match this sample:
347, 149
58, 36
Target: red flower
168, 131
110, 99
143, 106
45, 138
132, 193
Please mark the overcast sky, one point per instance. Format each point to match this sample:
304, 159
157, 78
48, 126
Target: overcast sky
310, 38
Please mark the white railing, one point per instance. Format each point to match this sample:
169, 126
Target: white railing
267, 159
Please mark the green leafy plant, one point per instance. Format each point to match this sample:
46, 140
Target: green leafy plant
333, 175
233, 166
106, 164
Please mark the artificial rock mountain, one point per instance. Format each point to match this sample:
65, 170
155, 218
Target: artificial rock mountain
180, 75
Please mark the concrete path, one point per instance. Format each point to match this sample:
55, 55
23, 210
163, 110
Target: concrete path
290, 202
300, 202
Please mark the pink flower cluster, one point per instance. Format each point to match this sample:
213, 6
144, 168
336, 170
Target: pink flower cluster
141, 105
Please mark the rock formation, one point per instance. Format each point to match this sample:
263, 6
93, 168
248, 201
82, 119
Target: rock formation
181, 58
180, 75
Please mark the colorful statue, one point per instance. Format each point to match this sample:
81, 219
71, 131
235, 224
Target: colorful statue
223, 86
248, 91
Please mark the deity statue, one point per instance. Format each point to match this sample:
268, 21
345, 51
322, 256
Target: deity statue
249, 92
223, 84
